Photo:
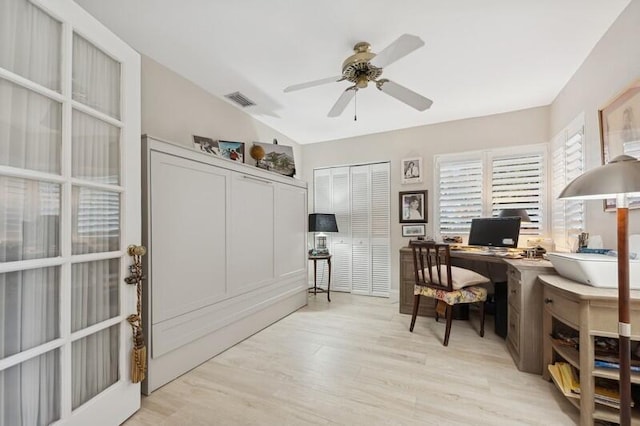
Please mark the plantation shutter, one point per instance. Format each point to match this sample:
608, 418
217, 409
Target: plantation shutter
460, 195
568, 164
519, 183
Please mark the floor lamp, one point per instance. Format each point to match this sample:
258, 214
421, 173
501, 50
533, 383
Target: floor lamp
618, 179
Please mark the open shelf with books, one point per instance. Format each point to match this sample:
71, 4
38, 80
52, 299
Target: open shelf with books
580, 347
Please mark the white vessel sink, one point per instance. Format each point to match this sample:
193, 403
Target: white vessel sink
596, 270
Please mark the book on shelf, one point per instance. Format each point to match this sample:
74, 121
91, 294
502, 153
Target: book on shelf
614, 365
565, 378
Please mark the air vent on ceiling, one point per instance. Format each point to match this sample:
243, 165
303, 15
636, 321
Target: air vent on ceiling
240, 99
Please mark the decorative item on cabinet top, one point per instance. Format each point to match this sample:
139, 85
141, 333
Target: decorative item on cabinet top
274, 157
205, 144
226, 149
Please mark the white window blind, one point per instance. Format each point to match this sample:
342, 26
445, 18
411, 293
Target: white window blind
480, 184
460, 195
517, 182
568, 164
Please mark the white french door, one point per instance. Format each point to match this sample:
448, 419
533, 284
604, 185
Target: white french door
69, 207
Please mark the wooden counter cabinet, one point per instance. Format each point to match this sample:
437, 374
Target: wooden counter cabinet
524, 312
588, 312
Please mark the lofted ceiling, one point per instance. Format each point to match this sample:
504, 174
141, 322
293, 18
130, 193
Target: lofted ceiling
480, 57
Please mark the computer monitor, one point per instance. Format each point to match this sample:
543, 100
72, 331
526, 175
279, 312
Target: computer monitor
495, 232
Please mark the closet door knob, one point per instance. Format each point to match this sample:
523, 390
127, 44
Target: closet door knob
547, 301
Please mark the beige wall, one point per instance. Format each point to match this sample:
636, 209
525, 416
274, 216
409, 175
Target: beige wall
502, 130
613, 64
174, 109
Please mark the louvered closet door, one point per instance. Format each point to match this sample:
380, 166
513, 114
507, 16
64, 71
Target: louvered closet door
380, 230
340, 245
322, 203
360, 226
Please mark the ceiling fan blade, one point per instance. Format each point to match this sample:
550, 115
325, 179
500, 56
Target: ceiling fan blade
400, 48
313, 83
403, 94
343, 101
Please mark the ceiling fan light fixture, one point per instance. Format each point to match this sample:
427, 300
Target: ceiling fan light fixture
364, 66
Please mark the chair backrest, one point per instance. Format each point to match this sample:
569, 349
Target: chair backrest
432, 264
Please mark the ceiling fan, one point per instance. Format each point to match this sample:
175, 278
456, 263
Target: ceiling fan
364, 67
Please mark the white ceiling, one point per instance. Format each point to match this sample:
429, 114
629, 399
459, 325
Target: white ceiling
481, 57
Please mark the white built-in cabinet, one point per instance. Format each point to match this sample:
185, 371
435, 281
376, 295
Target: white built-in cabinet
226, 255
359, 196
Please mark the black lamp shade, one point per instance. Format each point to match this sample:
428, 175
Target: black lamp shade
321, 222
521, 213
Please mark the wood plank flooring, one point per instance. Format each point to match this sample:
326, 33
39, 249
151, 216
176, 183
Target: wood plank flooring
354, 362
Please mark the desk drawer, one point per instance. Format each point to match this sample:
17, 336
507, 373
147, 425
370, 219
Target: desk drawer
515, 289
561, 307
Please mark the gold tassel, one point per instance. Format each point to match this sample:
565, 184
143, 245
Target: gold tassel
138, 358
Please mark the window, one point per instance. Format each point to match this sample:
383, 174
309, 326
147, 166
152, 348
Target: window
568, 163
480, 184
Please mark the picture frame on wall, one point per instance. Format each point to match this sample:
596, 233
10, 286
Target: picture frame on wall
413, 206
620, 131
205, 144
419, 230
411, 169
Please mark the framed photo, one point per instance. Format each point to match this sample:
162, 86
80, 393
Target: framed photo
232, 150
620, 131
414, 230
277, 158
413, 207
411, 169
207, 145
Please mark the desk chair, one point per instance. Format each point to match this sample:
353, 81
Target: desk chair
448, 285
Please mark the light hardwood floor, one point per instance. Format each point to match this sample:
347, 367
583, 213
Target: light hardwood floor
354, 362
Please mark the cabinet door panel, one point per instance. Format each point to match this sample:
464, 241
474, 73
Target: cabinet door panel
291, 213
187, 231
252, 229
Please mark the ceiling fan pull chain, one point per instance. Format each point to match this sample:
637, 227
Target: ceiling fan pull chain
355, 106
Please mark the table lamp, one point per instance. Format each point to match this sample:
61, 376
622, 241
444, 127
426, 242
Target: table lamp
321, 223
521, 213
618, 179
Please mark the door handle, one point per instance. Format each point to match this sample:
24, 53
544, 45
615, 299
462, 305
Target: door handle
139, 352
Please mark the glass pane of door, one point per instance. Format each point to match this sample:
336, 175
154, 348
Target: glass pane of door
95, 294
30, 44
96, 78
29, 219
95, 364
30, 129
95, 220
30, 391
96, 150
29, 309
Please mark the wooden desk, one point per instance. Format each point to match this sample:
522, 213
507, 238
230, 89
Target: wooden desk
315, 289
524, 299
589, 312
